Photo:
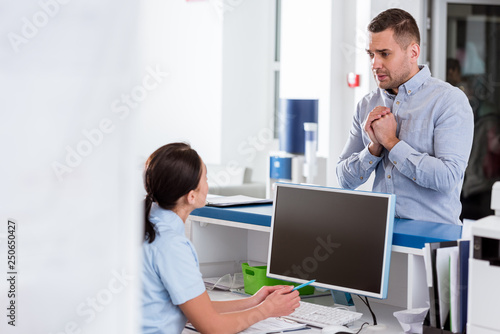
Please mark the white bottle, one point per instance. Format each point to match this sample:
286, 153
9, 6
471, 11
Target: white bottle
311, 144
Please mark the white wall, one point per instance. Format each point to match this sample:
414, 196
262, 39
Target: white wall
217, 96
67, 166
306, 59
348, 47
185, 40
247, 85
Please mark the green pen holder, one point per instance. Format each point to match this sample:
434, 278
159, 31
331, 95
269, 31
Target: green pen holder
255, 278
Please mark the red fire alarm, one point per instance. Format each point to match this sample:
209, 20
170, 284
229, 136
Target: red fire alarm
353, 80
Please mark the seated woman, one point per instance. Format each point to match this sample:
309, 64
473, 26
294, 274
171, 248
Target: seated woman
175, 179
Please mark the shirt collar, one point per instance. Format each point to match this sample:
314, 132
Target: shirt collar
166, 219
415, 82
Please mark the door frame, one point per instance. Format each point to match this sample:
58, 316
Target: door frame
439, 17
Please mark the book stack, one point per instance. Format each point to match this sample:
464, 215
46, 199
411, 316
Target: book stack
447, 269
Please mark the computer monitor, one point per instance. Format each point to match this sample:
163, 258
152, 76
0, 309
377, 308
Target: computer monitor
341, 238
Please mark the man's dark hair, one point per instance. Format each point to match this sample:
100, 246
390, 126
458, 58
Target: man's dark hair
401, 22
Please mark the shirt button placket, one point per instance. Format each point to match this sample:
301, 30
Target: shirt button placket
388, 180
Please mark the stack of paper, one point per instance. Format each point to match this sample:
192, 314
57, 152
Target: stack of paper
273, 325
447, 278
223, 201
269, 325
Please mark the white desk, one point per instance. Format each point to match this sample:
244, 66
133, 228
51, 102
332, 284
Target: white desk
384, 314
226, 237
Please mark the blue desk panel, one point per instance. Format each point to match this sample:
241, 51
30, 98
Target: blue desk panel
407, 233
416, 233
248, 214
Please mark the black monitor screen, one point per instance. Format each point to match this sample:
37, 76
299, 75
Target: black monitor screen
340, 238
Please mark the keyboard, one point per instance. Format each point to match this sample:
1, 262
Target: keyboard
322, 316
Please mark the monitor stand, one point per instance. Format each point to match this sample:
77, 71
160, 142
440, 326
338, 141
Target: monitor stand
342, 298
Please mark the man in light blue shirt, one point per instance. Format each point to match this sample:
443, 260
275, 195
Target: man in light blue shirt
414, 131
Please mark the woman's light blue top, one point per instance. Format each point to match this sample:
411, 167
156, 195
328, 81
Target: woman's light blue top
170, 274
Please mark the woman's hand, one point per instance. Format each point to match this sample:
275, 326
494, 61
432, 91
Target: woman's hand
200, 311
265, 291
281, 302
